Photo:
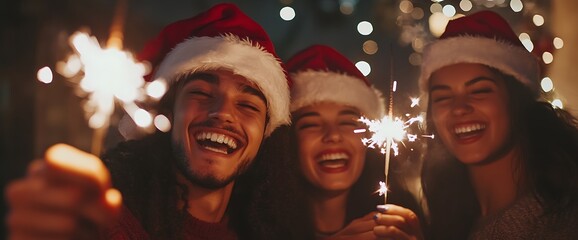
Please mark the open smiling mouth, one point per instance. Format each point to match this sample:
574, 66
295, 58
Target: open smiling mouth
333, 160
216, 142
468, 131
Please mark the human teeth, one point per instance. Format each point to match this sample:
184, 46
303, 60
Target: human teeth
217, 138
216, 150
333, 156
469, 128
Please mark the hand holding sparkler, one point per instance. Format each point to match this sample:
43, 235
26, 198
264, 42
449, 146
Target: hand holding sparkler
395, 222
68, 195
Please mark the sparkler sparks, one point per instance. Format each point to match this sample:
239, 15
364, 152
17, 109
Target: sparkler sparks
387, 132
382, 190
385, 129
108, 76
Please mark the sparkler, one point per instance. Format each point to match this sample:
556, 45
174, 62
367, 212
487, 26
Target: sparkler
110, 76
387, 131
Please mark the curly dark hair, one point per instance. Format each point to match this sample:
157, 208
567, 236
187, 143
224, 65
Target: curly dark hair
548, 138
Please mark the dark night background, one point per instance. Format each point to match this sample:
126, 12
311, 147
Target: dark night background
34, 33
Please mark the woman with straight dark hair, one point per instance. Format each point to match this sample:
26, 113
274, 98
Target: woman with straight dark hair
503, 164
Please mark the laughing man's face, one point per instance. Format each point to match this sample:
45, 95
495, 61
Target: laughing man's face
218, 125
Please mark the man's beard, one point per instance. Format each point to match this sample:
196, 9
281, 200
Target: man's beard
199, 179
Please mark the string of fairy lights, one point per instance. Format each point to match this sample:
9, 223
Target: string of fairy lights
421, 22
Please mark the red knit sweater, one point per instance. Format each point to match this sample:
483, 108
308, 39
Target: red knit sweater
128, 228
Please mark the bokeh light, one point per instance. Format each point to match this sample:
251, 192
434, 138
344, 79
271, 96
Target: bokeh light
287, 13
363, 67
538, 20
44, 75
364, 28
162, 123
547, 84
558, 43
547, 57
370, 47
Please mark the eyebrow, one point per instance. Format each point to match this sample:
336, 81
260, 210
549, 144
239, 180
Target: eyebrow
214, 79
315, 114
307, 114
207, 77
349, 112
468, 83
253, 91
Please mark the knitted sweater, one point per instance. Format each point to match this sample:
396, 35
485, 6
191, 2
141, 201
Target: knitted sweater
525, 220
128, 228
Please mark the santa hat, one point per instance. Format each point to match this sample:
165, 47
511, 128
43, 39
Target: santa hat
223, 37
485, 38
321, 74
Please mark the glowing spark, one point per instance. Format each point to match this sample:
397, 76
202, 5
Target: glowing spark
44, 75
110, 75
414, 102
382, 189
387, 128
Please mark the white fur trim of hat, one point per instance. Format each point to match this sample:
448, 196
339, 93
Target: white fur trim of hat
239, 56
511, 60
311, 87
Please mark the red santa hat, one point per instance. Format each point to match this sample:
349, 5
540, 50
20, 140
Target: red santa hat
486, 38
321, 74
223, 37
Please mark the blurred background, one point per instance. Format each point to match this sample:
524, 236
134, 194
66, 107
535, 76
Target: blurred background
383, 37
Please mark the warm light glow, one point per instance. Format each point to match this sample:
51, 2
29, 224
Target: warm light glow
415, 59
387, 128
109, 74
547, 84
346, 7
370, 47
157, 88
394, 87
364, 28
558, 43
449, 10
113, 197
406, 6
557, 103
414, 102
72, 159
69, 68
538, 20
437, 23
142, 118
417, 13
382, 190
417, 45
363, 67
97, 120
287, 13
162, 123
516, 5
435, 8
466, 5
44, 75
547, 57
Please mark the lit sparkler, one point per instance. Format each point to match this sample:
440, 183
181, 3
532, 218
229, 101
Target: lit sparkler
387, 132
109, 76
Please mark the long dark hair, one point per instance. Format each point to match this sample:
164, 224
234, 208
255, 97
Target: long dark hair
548, 138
